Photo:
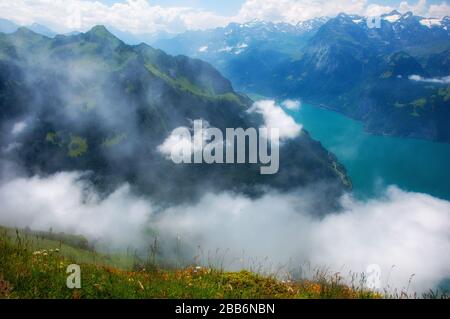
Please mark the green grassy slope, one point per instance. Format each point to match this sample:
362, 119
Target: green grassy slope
33, 265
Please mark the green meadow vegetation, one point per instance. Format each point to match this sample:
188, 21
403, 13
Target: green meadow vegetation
34, 265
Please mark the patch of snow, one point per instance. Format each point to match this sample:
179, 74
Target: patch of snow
238, 49
430, 22
441, 80
203, 49
225, 49
392, 18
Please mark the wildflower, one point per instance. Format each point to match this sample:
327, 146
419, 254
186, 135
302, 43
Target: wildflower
197, 269
315, 288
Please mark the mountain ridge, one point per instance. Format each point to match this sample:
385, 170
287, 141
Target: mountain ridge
92, 103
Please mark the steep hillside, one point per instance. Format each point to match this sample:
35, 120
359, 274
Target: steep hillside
90, 102
43, 275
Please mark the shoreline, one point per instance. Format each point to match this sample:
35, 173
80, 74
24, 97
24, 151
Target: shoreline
367, 130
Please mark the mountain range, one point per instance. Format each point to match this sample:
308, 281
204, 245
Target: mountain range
393, 76
90, 102
8, 26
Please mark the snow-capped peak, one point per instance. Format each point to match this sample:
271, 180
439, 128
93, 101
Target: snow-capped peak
308, 25
283, 27
392, 17
254, 23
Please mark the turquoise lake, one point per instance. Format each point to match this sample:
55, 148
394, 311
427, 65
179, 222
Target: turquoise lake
374, 162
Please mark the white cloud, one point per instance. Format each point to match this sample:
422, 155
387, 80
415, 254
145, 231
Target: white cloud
136, 16
19, 127
293, 105
419, 8
296, 10
422, 8
178, 142
65, 203
374, 10
275, 117
441, 80
184, 141
140, 16
439, 10
407, 230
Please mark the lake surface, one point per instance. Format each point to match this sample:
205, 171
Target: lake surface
374, 162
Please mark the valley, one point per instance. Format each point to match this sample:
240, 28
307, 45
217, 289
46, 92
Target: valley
342, 62
290, 155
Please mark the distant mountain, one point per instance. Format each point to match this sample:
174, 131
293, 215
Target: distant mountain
41, 29
236, 39
90, 102
8, 27
393, 76
246, 53
134, 38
